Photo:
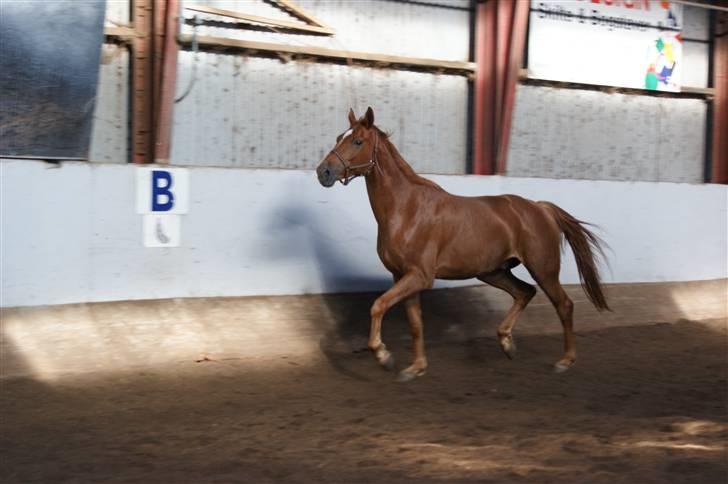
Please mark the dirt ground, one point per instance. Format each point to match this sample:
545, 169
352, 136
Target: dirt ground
644, 404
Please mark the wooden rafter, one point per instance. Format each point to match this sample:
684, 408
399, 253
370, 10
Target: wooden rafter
247, 18
307, 52
685, 91
121, 34
296, 11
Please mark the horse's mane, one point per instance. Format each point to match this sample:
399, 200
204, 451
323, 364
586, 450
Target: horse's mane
402, 164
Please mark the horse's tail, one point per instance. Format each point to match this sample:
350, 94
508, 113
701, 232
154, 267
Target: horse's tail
584, 244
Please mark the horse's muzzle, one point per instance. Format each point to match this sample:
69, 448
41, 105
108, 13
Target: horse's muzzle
326, 176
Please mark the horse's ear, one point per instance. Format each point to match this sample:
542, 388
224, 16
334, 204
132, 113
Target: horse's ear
352, 117
369, 118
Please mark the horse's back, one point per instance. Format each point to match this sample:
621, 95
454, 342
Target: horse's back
529, 222
512, 207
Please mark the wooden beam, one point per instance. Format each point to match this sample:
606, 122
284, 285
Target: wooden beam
685, 91
246, 18
708, 4
703, 91
452, 67
121, 34
298, 12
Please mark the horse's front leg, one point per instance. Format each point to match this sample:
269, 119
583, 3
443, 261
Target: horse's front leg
419, 363
407, 285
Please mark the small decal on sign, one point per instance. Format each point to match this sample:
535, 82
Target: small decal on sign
162, 230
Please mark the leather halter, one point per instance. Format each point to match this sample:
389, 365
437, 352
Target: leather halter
349, 168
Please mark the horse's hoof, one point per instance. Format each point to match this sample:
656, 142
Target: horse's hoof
508, 345
388, 362
409, 374
561, 367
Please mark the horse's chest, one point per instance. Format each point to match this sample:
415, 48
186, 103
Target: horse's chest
396, 251
392, 259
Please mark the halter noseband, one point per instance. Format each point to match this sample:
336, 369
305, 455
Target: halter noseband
349, 168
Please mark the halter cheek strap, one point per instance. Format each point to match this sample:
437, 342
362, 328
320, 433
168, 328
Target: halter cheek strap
349, 169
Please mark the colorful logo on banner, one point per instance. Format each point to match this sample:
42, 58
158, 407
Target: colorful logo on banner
662, 63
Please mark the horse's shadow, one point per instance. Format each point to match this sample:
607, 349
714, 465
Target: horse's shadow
344, 322
299, 233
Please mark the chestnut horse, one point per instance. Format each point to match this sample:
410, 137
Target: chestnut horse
425, 233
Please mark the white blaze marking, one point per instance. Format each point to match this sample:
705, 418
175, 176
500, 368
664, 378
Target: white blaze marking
344, 136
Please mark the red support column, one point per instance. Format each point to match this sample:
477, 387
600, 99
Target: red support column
518, 30
719, 169
485, 87
142, 70
167, 82
500, 38
154, 74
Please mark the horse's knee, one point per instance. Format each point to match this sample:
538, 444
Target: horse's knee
377, 310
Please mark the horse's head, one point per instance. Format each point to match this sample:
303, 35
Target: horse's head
353, 154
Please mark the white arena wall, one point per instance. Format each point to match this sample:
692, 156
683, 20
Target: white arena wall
70, 232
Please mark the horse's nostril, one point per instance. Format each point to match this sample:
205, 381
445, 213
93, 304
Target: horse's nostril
326, 175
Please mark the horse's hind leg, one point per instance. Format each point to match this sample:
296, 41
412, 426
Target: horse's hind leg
522, 294
565, 308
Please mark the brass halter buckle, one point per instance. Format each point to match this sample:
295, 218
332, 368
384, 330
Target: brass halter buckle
349, 168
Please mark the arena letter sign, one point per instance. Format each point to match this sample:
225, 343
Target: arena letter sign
162, 188
162, 198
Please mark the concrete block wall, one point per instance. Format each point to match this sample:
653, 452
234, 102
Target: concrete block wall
253, 112
263, 113
572, 133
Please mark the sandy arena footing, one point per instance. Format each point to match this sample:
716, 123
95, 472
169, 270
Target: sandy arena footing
278, 389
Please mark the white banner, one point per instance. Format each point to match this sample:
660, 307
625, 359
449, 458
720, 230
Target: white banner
624, 43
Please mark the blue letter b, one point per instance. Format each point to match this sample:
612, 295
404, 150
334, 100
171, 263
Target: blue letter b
161, 187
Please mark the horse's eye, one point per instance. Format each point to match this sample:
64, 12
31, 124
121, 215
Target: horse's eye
357, 142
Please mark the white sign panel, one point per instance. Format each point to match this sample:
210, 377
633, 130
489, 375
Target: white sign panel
162, 196
162, 190
162, 230
625, 43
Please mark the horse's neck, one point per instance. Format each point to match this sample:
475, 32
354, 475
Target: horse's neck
387, 183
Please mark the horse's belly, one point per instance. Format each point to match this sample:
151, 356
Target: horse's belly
465, 264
